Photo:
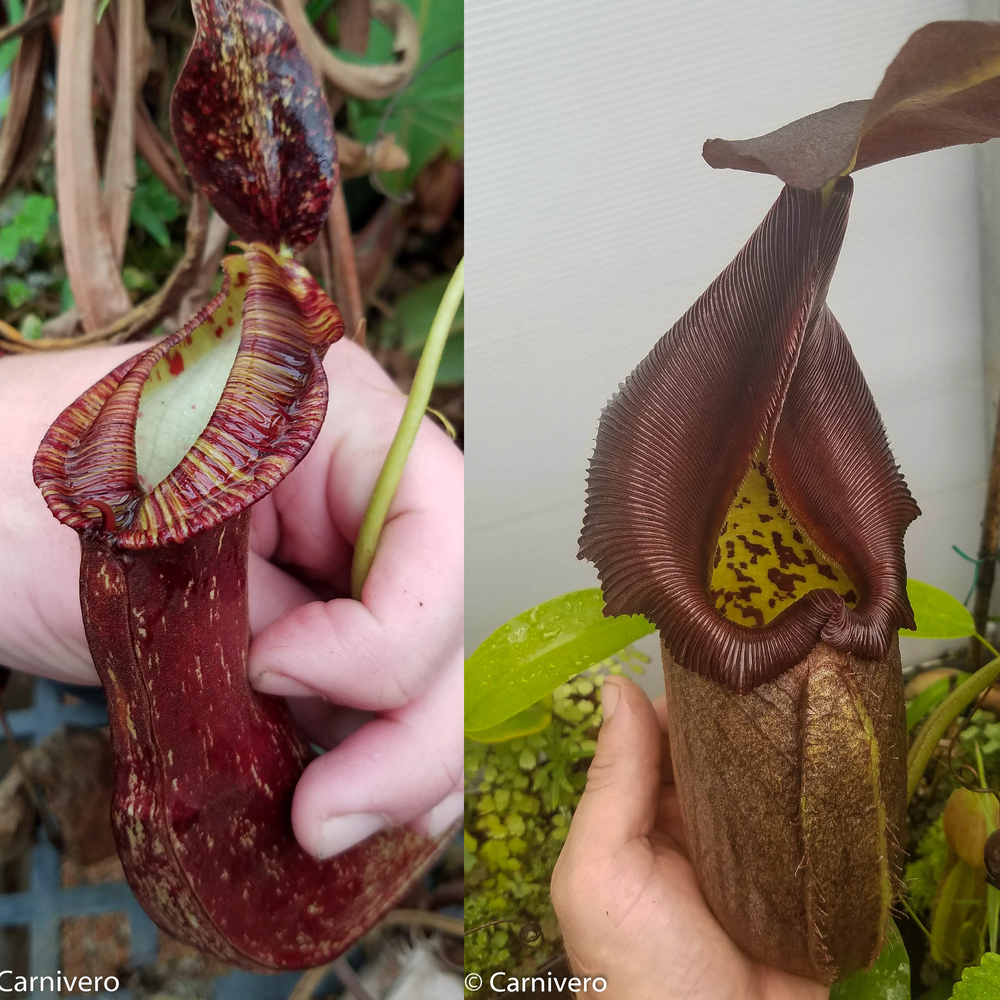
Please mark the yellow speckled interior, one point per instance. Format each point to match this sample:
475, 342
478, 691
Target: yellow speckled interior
765, 561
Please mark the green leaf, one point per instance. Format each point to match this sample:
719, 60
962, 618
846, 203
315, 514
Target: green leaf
887, 979
938, 615
153, 206
930, 698
981, 982
540, 649
17, 292
532, 720
31, 223
428, 117
415, 312
10, 243
451, 370
35, 217
15, 13
941, 718
317, 8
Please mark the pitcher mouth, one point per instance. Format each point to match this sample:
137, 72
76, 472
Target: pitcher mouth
204, 423
758, 374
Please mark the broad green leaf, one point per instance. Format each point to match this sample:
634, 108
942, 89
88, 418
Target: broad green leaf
414, 313
540, 649
532, 720
428, 117
981, 982
887, 979
930, 698
938, 615
451, 370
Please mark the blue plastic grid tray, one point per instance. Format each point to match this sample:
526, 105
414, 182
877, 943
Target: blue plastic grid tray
43, 908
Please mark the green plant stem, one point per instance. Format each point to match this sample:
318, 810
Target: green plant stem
913, 916
943, 716
406, 433
986, 644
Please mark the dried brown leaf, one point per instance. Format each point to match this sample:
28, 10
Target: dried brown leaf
90, 257
355, 160
942, 89
366, 82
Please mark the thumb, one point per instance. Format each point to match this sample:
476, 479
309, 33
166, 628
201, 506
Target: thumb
620, 800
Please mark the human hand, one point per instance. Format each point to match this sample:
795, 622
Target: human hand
625, 893
396, 653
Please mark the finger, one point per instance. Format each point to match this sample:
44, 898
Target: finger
620, 801
380, 652
272, 592
397, 769
324, 724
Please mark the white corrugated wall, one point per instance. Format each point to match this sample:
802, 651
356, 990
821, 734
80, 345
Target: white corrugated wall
593, 223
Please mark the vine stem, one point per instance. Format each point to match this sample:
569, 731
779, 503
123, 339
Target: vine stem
942, 717
406, 433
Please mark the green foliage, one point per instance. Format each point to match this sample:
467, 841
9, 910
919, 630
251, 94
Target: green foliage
941, 718
983, 729
153, 206
541, 648
532, 720
924, 873
451, 370
887, 979
938, 615
30, 224
15, 13
931, 697
427, 118
520, 798
981, 982
414, 313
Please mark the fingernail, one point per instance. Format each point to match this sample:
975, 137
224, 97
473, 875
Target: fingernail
339, 833
610, 694
444, 814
